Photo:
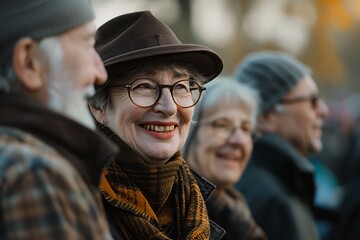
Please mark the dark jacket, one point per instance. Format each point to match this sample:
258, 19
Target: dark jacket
229, 209
347, 226
50, 170
206, 188
279, 187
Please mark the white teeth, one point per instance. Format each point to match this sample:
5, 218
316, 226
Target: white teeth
159, 128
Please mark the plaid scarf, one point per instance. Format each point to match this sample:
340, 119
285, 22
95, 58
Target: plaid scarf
154, 202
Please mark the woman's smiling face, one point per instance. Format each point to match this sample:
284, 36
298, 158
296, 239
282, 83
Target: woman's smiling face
155, 132
224, 144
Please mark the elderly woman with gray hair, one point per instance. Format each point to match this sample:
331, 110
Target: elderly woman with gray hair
218, 148
146, 108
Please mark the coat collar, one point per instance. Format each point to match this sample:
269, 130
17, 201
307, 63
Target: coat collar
285, 148
86, 150
286, 164
207, 188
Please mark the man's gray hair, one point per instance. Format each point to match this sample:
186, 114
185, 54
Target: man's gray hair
9, 82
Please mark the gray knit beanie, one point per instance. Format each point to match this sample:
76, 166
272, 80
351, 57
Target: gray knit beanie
39, 19
274, 74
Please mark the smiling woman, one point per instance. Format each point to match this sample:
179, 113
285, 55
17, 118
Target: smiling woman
146, 107
219, 148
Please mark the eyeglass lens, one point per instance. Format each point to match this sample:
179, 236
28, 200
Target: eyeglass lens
146, 92
224, 128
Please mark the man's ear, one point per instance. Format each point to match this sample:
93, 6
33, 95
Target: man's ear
267, 122
28, 64
98, 114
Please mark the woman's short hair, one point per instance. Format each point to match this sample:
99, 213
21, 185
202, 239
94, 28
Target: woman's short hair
220, 92
9, 81
224, 90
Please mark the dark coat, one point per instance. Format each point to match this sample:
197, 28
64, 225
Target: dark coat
348, 225
230, 210
279, 187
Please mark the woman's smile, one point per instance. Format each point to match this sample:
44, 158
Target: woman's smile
160, 130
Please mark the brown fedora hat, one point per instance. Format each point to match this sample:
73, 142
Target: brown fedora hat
127, 39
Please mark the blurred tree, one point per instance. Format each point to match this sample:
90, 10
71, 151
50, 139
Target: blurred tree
182, 26
323, 52
325, 38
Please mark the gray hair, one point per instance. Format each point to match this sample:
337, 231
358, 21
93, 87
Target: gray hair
9, 81
102, 98
52, 49
224, 90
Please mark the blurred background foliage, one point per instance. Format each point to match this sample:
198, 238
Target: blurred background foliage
323, 34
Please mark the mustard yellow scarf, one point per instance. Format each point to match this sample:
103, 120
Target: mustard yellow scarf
154, 202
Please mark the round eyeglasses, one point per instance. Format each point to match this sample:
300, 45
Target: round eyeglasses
144, 92
223, 128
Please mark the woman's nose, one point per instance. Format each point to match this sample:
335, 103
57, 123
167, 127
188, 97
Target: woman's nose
166, 103
237, 137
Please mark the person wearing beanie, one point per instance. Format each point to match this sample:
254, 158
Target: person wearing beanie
146, 107
50, 156
279, 181
219, 147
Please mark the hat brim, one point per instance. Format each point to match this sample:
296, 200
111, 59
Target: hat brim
202, 59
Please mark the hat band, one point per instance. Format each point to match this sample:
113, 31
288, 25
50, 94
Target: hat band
142, 43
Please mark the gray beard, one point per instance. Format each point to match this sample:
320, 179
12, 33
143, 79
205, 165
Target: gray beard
69, 102
62, 97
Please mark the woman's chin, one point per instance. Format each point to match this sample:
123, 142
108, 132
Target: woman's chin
158, 157
155, 160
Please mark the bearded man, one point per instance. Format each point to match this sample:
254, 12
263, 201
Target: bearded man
50, 157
